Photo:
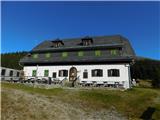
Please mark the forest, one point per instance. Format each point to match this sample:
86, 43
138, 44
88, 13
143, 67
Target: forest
144, 68
11, 60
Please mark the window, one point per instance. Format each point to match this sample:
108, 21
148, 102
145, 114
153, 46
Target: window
11, 73
17, 74
46, 73
3, 72
113, 52
97, 73
97, 53
64, 54
35, 56
29, 54
85, 75
63, 73
57, 43
87, 41
34, 73
54, 75
48, 55
113, 73
80, 53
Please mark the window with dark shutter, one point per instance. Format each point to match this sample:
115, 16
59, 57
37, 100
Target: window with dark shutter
54, 75
60, 73
97, 73
113, 73
11, 73
3, 72
63, 73
17, 74
85, 75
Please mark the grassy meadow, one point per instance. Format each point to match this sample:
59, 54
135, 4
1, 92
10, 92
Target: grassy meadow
23, 102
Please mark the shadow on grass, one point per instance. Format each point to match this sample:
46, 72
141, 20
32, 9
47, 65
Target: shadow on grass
147, 114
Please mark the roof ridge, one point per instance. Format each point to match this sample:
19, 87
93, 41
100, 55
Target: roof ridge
73, 38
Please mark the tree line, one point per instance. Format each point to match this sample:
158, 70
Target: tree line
11, 60
146, 69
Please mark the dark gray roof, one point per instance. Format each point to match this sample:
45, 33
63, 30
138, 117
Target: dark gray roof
74, 44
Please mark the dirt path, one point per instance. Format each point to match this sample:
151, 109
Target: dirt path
20, 105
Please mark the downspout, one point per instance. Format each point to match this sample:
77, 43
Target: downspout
37, 72
129, 75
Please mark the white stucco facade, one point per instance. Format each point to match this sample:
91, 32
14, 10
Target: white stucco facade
123, 78
7, 75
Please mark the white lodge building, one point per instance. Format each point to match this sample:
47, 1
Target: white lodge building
102, 60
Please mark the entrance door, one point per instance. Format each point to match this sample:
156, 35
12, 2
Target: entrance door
72, 73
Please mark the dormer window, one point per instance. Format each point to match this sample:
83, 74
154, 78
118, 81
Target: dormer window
29, 54
57, 43
87, 41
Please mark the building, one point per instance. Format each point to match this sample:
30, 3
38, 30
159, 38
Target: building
8, 74
102, 60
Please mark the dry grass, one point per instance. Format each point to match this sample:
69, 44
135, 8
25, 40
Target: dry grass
21, 105
145, 83
21, 102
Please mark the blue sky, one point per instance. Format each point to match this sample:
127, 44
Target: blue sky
25, 24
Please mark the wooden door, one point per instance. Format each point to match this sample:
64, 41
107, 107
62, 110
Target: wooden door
72, 73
